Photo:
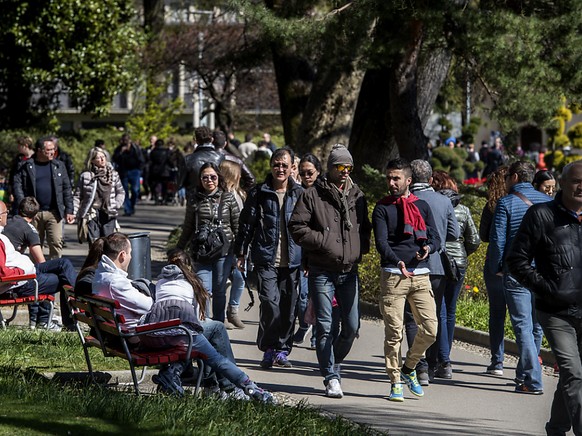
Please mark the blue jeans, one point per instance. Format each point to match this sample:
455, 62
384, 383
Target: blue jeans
130, 180
497, 313
51, 276
216, 333
236, 288
564, 334
302, 300
333, 348
448, 316
213, 277
528, 332
219, 363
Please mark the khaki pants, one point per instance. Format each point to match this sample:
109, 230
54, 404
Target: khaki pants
49, 227
394, 291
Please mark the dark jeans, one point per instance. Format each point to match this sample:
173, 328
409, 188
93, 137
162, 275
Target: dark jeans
448, 317
497, 314
438, 284
216, 333
564, 333
302, 301
131, 185
51, 275
278, 299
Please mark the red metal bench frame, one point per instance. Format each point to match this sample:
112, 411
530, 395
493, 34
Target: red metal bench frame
9, 298
101, 314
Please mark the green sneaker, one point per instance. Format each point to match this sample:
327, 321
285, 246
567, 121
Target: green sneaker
396, 393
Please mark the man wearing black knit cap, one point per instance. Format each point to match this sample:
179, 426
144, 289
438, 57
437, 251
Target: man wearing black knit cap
330, 223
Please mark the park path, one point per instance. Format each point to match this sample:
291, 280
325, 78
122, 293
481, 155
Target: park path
472, 403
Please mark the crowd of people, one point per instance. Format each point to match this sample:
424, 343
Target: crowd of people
304, 230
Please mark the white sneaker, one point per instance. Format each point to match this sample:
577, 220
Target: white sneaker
333, 389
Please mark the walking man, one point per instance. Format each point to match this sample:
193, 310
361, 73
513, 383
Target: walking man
46, 179
263, 223
508, 215
330, 223
550, 235
405, 235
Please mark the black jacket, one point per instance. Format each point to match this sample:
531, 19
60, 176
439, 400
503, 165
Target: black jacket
260, 223
552, 237
190, 173
25, 185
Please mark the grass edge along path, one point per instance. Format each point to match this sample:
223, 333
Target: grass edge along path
38, 405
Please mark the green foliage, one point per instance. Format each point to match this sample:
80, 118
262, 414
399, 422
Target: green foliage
88, 48
260, 167
470, 130
154, 116
373, 181
575, 135
450, 160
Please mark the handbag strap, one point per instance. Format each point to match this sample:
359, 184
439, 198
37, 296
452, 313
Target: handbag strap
523, 198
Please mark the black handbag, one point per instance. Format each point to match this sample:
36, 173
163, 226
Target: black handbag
450, 266
210, 240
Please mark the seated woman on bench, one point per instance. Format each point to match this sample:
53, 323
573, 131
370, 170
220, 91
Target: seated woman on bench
179, 293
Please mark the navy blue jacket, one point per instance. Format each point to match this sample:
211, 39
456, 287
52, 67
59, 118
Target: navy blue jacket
260, 223
25, 185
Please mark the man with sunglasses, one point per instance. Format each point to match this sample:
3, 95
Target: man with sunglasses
263, 226
330, 223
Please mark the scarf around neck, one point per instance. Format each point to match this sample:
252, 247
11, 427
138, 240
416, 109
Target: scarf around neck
414, 224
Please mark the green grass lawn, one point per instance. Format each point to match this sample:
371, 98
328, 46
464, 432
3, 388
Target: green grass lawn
35, 405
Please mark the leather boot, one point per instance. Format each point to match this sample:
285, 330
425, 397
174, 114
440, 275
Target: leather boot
232, 317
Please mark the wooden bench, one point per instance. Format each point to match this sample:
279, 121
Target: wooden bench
10, 298
108, 334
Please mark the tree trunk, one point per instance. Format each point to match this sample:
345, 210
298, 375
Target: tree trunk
294, 78
407, 127
432, 72
371, 140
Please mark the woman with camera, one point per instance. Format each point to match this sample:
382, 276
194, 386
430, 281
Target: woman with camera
210, 226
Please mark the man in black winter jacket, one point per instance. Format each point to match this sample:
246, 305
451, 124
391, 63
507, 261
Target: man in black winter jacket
550, 235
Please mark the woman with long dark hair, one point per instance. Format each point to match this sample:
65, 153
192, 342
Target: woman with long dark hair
213, 207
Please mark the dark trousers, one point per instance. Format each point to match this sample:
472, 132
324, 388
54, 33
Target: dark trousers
564, 333
51, 276
278, 299
438, 284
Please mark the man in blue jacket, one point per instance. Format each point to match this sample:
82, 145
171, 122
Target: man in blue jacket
508, 215
263, 224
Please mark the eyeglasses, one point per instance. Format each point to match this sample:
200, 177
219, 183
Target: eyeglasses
280, 165
306, 173
341, 168
214, 178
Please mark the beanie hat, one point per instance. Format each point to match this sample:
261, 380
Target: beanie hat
451, 139
339, 155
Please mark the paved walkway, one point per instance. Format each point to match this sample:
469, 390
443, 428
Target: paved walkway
472, 403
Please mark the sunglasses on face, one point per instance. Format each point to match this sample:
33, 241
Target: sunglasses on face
280, 165
306, 173
341, 168
207, 178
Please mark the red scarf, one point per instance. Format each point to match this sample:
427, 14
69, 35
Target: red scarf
413, 221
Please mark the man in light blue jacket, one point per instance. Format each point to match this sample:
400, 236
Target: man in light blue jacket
508, 215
